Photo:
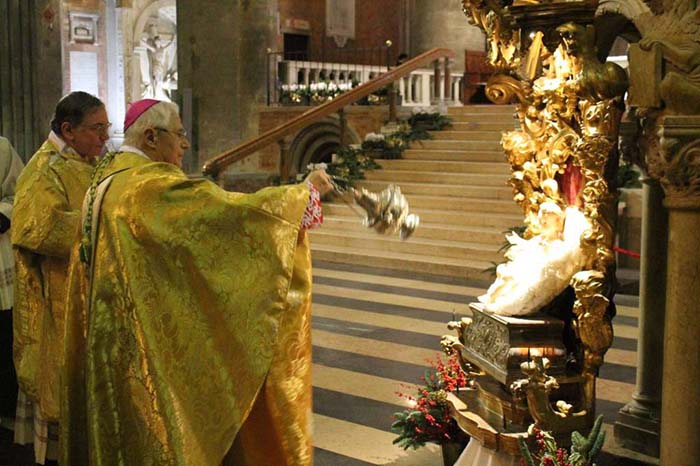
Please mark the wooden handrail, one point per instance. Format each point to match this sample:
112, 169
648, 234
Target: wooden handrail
214, 166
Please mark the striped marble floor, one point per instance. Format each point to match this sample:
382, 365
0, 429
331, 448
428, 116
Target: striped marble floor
373, 330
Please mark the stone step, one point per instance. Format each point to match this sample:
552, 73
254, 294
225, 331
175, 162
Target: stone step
443, 217
484, 235
482, 125
460, 204
370, 240
470, 269
446, 166
451, 135
458, 155
464, 204
480, 109
443, 144
438, 189
506, 118
409, 176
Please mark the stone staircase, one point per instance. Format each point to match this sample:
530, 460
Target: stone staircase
456, 183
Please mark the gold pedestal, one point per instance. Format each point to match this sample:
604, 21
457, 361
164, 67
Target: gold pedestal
493, 349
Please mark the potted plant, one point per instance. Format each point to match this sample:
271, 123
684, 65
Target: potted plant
427, 419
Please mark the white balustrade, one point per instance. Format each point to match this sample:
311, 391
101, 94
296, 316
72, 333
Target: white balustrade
416, 89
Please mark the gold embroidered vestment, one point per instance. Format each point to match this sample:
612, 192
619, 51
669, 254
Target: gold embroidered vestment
45, 226
199, 310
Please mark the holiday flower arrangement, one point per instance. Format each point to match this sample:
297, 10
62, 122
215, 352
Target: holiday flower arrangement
314, 93
385, 147
427, 419
546, 453
319, 92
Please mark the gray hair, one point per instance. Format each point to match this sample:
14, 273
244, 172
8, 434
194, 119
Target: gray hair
157, 116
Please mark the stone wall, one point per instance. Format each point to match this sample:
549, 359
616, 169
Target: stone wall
375, 22
361, 120
221, 65
441, 23
98, 47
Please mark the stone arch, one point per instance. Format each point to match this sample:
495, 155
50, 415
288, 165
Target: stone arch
630, 9
135, 53
618, 18
611, 25
316, 143
146, 13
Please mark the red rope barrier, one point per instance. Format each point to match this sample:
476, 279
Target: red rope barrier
627, 252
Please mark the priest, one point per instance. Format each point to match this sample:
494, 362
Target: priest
45, 226
188, 333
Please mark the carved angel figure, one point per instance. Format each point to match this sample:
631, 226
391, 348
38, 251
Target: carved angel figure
676, 30
539, 268
595, 80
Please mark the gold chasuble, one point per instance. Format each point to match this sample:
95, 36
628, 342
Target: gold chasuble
196, 329
45, 227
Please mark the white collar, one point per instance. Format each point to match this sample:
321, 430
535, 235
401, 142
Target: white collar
60, 144
133, 150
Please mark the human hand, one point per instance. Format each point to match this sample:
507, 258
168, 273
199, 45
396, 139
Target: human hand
321, 181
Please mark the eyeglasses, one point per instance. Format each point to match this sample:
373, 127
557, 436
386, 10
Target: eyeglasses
182, 134
100, 128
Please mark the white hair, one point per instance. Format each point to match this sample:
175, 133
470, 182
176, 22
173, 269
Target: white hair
157, 116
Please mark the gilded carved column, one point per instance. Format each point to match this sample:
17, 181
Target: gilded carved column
679, 169
569, 105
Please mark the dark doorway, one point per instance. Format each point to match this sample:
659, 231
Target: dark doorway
296, 47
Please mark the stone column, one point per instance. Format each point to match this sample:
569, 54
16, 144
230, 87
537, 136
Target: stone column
30, 71
680, 404
638, 423
222, 64
441, 23
116, 102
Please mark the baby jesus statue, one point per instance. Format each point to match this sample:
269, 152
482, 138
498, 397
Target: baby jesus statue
539, 268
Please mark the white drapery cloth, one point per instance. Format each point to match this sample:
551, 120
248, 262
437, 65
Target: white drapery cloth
476, 454
10, 167
31, 427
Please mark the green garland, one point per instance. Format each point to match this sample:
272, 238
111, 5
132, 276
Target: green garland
430, 121
350, 165
351, 162
583, 449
